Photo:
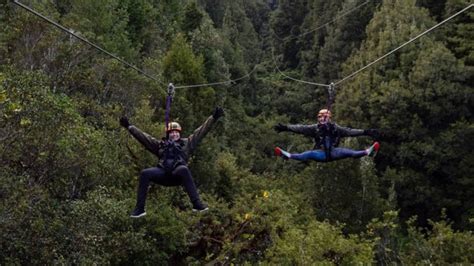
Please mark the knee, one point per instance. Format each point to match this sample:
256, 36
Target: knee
145, 174
183, 172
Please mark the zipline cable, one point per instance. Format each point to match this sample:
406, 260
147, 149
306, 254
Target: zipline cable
344, 13
217, 83
298, 80
228, 82
120, 59
86, 41
399, 47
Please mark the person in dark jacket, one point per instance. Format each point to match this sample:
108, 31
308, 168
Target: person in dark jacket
327, 136
173, 154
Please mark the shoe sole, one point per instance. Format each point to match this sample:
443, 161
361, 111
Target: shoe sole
138, 216
203, 210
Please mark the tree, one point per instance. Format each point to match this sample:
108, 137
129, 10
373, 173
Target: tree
193, 18
182, 67
313, 35
344, 36
459, 33
286, 25
417, 95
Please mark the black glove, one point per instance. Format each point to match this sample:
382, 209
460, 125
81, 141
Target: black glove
280, 127
124, 122
374, 133
218, 112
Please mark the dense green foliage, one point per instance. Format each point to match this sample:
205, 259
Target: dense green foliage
68, 172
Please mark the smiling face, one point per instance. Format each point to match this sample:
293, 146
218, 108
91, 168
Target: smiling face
324, 116
174, 135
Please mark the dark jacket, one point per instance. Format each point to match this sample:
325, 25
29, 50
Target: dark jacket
178, 151
325, 136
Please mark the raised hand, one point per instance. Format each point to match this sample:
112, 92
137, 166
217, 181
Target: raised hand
124, 122
280, 127
218, 112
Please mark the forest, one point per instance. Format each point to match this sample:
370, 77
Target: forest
69, 172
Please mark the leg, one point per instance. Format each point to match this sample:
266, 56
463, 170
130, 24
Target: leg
341, 153
154, 174
183, 174
316, 155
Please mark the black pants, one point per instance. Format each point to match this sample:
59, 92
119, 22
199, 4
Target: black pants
180, 176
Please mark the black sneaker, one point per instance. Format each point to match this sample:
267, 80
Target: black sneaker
199, 207
137, 213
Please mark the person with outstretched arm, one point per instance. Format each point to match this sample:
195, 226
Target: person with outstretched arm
327, 136
173, 153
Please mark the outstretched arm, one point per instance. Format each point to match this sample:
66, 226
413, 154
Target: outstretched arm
352, 132
150, 143
307, 130
200, 132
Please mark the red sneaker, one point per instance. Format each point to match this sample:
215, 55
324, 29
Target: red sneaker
277, 151
372, 151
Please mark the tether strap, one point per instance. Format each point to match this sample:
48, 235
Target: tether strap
332, 95
169, 99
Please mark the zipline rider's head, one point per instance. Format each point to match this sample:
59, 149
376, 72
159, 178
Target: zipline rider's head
324, 116
174, 131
